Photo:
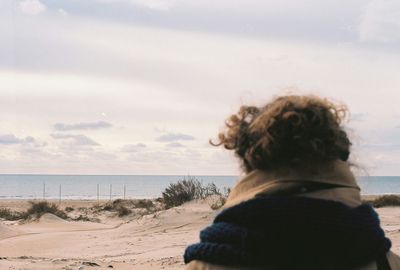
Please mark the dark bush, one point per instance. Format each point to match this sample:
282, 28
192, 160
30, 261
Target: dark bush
209, 190
37, 209
143, 203
118, 206
117, 202
69, 209
7, 214
82, 218
187, 190
108, 207
386, 200
123, 211
159, 200
182, 191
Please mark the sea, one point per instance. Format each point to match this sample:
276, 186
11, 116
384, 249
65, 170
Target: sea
137, 186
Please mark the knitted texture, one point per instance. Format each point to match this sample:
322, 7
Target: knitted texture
292, 233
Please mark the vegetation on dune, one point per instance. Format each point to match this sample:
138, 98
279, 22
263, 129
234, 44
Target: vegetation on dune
188, 190
144, 203
37, 209
86, 218
386, 200
123, 211
69, 209
8, 214
218, 203
126, 207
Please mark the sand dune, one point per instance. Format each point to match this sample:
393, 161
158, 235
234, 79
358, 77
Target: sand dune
7, 231
155, 241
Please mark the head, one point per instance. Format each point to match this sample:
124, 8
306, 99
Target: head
290, 132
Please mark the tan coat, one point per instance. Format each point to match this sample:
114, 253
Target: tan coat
260, 182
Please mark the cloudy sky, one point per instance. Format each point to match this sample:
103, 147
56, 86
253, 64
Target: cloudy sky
140, 86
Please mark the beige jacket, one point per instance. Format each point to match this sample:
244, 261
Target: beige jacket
261, 182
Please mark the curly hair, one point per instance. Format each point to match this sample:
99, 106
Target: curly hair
290, 131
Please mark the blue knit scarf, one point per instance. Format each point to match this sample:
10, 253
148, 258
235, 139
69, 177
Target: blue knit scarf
292, 233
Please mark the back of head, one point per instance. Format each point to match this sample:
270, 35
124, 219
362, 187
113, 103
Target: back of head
289, 132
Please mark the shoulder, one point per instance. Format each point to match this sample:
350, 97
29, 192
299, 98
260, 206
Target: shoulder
394, 260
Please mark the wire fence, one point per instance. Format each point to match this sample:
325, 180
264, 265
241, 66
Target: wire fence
110, 196
94, 187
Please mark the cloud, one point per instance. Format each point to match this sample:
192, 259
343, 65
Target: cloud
151, 4
82, 126
10, 139
133, 147
175, 145
31, 141
32, 7
381, 22
284, 18
171, 137
79, 140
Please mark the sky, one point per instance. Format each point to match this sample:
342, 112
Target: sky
140, 86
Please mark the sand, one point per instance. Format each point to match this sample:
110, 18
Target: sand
154, 241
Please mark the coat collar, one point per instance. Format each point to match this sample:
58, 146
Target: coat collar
258, 182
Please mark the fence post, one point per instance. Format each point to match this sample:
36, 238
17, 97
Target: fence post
97, 192
59, 195
110, 191
44, 191
124, 191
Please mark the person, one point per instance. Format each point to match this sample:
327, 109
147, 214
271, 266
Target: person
298, 205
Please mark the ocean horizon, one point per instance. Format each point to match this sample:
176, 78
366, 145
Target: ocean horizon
48, 186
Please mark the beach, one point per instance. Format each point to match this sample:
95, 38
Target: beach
147, 240
153, 241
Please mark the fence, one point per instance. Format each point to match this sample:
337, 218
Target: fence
98, 195
94, 187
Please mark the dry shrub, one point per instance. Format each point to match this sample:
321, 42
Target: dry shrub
36, 209
108, 207
187, 190
118, 206
86, 218
182, 191
8, 214
40, 208
69, 209
123, 211
144, 203
216, 201
82, 218
386, 200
